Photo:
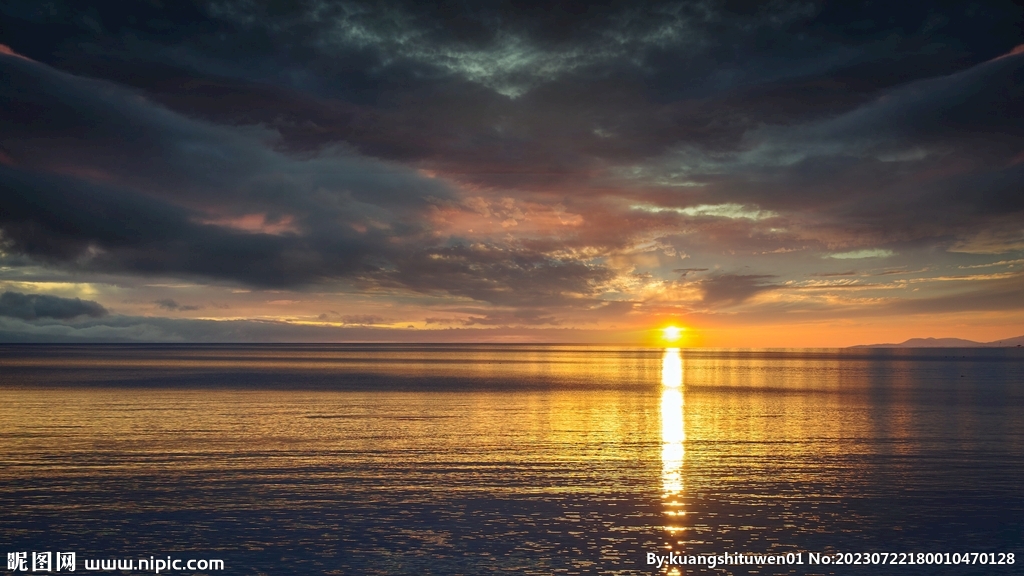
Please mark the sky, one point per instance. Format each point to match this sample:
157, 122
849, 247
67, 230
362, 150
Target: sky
761, 174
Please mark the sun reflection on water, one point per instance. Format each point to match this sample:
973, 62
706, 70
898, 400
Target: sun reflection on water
672, 368
673, 441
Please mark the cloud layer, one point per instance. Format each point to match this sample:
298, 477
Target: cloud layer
36, 306
512, 165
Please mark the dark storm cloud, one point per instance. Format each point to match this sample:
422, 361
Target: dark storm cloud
258, 142
933, 161
97, 178
975, 113
35, 306
506, 47
515, 94
96, 130
68, 222
125, 186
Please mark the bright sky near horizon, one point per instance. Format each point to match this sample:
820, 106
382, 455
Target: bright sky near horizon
781, 174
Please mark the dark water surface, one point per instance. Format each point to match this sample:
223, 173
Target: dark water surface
515, 459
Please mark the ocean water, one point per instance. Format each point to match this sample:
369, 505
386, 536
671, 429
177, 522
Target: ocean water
374, 459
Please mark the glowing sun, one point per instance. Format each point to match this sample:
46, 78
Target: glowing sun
671, 333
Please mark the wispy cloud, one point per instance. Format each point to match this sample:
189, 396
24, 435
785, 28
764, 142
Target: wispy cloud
866, 253
729, 210
172, 306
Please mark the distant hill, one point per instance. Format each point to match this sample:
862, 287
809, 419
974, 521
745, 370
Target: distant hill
949, 343
1018, 341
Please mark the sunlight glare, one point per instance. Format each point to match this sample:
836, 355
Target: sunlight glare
673, 430
671, 333
672, 368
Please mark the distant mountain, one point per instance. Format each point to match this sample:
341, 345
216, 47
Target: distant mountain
1018, 341
949, 343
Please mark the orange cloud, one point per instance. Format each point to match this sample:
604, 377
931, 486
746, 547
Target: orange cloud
5, 49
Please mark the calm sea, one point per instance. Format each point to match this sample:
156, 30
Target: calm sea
447, 460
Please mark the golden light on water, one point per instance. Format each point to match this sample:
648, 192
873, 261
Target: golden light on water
673, 438
672, 368
766, 425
